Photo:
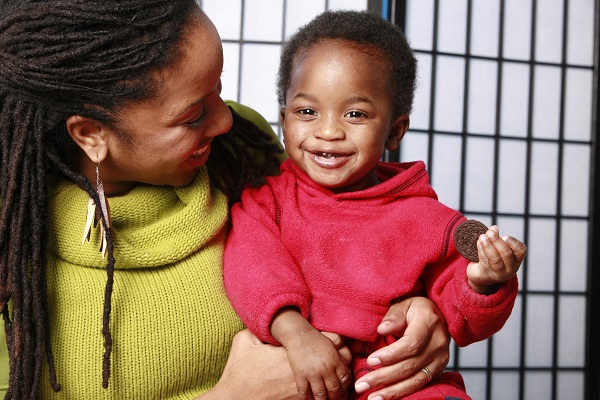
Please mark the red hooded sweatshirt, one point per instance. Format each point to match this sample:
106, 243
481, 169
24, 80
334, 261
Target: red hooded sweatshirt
342, 258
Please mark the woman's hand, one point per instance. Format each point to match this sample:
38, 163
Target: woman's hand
423, 343
259, 371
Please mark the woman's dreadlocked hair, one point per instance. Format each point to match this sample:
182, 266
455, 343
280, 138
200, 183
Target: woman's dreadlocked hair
59, 58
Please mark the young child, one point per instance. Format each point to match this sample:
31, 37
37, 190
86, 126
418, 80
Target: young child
339, 235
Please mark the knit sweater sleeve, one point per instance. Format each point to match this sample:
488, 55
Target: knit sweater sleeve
260, 274
471, 316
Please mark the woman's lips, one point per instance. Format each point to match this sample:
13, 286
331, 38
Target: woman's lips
200, 152
200, 156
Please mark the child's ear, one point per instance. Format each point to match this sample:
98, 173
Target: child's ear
90, 135
397, 131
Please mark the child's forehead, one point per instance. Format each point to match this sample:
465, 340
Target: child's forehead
331, 45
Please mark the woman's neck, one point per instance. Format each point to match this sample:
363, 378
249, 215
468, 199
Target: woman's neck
83, 165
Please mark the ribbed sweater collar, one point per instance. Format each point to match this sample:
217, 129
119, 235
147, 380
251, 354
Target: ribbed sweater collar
152, 226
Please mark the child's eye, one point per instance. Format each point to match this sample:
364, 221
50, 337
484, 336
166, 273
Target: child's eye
355, 114
306, 111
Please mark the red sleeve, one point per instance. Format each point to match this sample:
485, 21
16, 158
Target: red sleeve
260, 275
471, 316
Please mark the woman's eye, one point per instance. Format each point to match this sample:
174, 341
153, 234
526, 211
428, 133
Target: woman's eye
197, 121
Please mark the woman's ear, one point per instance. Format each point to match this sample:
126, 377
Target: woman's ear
90, 135
397, 131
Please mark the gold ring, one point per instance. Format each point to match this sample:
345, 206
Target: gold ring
427, 373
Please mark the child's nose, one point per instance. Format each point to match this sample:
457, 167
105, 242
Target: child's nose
329, 128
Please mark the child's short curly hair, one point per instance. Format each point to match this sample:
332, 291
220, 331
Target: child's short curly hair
363, 28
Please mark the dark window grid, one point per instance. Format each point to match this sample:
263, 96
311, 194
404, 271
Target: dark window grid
592, 387
394, 156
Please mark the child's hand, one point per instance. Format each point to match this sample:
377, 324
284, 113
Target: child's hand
317, 367
499, 260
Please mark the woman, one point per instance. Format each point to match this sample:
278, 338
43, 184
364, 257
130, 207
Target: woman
111, 111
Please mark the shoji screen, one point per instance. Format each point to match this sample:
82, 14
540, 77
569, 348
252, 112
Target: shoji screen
503, 117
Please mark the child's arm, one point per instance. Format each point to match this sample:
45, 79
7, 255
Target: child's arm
316, 364
499, 260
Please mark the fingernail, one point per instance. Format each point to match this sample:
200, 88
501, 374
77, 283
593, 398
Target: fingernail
376, 398
373, 361
361, 387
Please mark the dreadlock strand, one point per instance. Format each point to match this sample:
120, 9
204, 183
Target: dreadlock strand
38, 247
110, 271
25, 200
232, 166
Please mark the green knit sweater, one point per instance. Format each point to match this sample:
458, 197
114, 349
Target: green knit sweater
171, 322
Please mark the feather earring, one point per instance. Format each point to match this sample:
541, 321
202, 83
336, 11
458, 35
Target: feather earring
94, 214
105, 211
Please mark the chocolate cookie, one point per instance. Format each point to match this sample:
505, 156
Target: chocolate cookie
465, 238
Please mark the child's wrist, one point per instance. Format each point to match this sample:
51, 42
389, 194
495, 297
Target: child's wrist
485, 289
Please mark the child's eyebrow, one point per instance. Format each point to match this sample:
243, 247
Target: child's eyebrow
305, 96
359, 99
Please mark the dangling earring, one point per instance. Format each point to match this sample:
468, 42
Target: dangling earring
94, 215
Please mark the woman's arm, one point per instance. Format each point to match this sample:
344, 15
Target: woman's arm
423, 343
259, 371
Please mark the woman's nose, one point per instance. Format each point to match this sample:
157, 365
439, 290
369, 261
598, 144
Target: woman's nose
221, 119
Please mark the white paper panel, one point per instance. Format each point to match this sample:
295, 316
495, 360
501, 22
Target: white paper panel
546, 102
415, 146
515, 100
506, 349
452, 26
263, 20
574, 255
475, 383
575, 180
538, 348
570, 385
299, 13
449, 94
479, 174
541, 254
538, 385
511, 176
549, 31
580, 32
419, 24
483, 81
505, 385
474, 355
259, 69
226, 15
543, 180
517, 29
445, 169
571, 332
578, 104
348, 4
485, 27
